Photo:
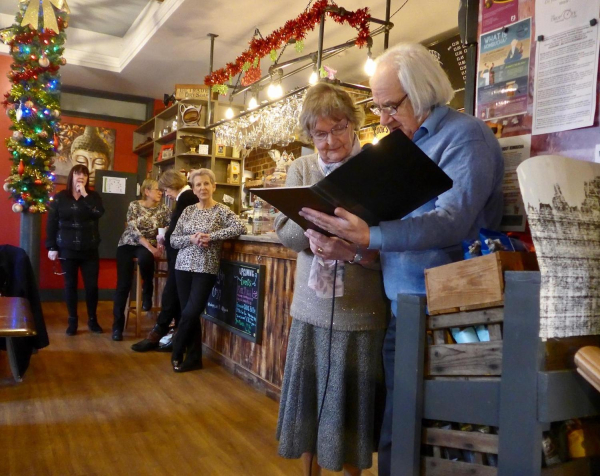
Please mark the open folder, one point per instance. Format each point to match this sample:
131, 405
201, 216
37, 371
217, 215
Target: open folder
384, 182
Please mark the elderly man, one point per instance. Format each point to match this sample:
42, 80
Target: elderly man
410, 93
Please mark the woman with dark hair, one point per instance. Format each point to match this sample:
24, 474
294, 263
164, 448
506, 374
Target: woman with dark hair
73, 238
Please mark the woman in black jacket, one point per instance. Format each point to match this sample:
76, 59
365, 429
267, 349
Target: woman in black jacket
73, 238
175, 185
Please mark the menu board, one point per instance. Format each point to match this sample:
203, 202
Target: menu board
236, 301
452, 55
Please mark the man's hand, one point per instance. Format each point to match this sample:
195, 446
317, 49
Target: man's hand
344, 225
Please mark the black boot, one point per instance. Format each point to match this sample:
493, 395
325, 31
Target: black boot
72, 328
93, 325
193, 356
151, 342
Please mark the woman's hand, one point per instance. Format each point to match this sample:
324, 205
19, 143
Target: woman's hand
201, 239
344, 224
80, 187
156, 252
52, 255
330, 248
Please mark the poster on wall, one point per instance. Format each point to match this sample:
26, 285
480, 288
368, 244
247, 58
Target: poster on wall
503, 71
498, 13
93, 147
514, 150
565, 76
452, 55
553, 16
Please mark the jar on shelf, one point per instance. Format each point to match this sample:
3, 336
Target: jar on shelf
263, 219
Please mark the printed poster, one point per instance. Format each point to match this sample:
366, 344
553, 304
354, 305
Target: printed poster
514, 150
566, 74
553, 16
503, 71
498, 13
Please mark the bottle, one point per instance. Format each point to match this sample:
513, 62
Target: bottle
257, 219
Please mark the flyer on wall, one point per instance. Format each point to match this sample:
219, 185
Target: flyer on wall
553, 16
503, 71
498, 13
514, 150
566, 70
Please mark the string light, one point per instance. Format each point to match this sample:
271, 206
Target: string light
229, 113
314, 77
370, 64
253, 104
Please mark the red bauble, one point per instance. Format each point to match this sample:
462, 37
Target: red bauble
21, 167
38, 182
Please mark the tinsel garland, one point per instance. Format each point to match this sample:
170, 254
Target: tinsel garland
33, 105
293, 29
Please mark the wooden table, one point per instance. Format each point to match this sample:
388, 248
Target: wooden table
15, 321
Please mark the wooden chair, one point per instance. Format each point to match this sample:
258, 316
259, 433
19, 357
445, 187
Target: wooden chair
134, 302
15, 321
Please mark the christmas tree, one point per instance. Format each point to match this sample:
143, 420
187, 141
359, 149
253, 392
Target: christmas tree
36, 41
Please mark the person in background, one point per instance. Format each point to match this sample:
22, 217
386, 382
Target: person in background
72, 236
198, 236
176, 188
144, 218
410, 93
353, 377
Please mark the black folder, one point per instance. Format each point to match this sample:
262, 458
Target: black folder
384, 182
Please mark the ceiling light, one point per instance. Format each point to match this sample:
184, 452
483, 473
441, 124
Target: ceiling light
274, 91
229, 113
314, 78
369, 64
253, 104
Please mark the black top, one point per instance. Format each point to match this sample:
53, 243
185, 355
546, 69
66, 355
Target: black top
186, 199
73, 225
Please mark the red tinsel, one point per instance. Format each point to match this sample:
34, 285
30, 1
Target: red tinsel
293, 29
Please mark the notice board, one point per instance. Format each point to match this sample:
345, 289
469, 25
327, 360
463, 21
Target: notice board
236, 300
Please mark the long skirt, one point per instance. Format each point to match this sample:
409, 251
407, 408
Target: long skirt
349, 425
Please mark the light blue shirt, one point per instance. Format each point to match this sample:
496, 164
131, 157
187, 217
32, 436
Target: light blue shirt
466, 149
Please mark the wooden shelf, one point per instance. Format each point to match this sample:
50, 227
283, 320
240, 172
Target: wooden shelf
147, 126
169, 161
167, 138
145, 148
190, 154
229, 184
228, 158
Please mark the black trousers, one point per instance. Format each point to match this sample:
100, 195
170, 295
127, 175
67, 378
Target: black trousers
169, 303
194, 290
89, 272
125, 256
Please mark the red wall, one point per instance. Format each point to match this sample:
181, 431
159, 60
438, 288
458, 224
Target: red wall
125, 161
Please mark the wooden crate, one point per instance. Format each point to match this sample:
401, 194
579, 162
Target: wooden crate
475, 283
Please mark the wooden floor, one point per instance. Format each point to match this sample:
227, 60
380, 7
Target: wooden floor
91, 406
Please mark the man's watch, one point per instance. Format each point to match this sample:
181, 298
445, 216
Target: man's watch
357, 257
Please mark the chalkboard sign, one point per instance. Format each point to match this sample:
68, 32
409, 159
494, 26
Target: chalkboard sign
236, 301
452, 55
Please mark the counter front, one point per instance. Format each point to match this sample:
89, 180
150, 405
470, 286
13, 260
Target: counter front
262, 364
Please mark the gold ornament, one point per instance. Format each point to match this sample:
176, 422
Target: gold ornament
17, 208
32, 13
33, 209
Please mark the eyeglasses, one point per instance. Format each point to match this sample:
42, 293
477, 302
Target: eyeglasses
335, 132
389, 110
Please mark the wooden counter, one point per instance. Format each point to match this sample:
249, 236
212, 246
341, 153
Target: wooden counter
260, 365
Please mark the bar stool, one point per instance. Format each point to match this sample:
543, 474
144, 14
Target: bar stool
134, 301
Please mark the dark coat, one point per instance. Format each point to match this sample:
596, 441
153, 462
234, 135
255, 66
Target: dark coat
186, 199
17, 280
73, 224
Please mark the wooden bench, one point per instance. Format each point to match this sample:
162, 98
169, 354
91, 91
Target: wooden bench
15, 321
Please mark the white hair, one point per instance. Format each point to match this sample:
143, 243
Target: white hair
420, 74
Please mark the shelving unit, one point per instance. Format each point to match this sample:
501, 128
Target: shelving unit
167, 128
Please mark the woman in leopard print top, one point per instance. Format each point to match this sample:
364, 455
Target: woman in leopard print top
199, 236
144, 218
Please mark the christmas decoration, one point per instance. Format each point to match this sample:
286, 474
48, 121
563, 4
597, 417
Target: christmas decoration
36, 44
295, 29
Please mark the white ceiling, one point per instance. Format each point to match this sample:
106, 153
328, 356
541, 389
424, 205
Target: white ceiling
145, 47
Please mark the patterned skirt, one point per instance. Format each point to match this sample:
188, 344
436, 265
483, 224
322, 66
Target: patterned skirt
351, 417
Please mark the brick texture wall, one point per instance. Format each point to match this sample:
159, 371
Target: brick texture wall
259, 161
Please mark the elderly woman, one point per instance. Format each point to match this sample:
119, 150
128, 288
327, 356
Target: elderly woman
144, 218
198, 236
337, 353
73, 237
176, 187
410, 93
